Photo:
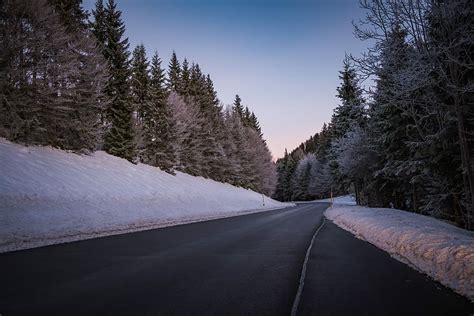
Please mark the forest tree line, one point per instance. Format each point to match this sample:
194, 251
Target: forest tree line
408, 141
69, 80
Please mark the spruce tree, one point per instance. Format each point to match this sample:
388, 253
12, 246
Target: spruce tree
159, 124
350, 112
219, 163
239, 108
279, 193
98, 25
246, 117
52, 77
174, 74
288, 175
184, 84
212, 92
72, 15
196, 87
255, 124
140, 82
388, 125
120, 135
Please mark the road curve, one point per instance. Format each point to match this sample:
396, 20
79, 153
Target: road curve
245, 265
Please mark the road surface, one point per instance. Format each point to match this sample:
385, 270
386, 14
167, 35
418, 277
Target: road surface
245, 265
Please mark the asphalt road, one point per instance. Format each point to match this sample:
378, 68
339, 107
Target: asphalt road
246, 265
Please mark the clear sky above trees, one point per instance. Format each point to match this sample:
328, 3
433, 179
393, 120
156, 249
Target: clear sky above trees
281, 57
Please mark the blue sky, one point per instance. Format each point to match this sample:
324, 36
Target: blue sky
281, 57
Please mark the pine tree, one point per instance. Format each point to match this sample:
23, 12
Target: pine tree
196, 83
120, 136
184, 79
212, 93
140, 82
279, 193
288, 172
349, 115
140, 95
350, 112
218, 163
99, 24
389, 132
254, 123
239, 108
206, 135
174, 73
451, 37
246, 117
52, 78
72, 15
159, 124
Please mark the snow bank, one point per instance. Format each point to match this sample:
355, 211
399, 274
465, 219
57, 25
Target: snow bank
443, 251
49, 196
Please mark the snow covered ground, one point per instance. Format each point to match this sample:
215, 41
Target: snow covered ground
49, 196
442, 251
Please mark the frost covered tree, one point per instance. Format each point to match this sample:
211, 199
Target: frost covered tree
350, 112
52, 76
158, 122
452, 38
356, 158
321, 181
426, 169
188, 120
301, 178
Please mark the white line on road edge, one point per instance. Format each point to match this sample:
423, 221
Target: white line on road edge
296, 302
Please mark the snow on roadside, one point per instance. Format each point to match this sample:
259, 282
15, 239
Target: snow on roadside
442, 251
49, 196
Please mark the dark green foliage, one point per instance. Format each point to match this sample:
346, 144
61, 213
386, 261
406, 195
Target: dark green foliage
184, 84
140, 82
71, 13
120, 135
98, 25
350, 112
239, 108
174, 73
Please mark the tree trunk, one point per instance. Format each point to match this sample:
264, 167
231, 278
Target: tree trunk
467, 162
415, 200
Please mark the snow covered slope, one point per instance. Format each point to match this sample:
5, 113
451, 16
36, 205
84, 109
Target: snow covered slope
443, 251
49, 196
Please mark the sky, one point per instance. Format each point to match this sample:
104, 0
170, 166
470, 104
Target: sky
282, 57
